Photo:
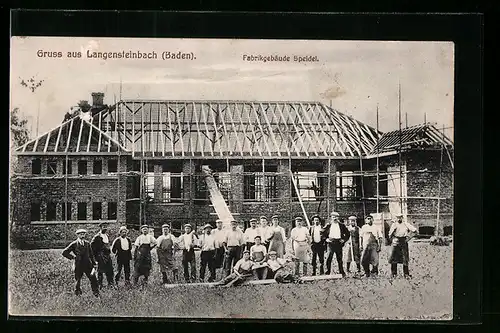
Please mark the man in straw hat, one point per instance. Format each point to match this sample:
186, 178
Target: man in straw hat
400, 233
102, 252
207, 244
300, 245
165, 248
371, 244
353, 248
187, 242
142, 254
84, 263
122, 248
318, 244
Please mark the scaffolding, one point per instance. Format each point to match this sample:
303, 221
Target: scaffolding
241, 130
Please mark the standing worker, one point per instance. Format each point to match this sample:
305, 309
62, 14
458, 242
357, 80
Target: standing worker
122, 248
165, 248
233, 245
371, 244
400, 233
102, 252
318, 244
277, 237
84, 263
300, 245
142, 254
353, 250
337, 236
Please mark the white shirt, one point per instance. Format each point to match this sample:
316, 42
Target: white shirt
207, 242
220, 237
124, 243
243, 264
276, 264
299, 234
188, 240
250, 234
258, 248
234, 237
316, 233
401, 229
145, 239
105, 238
334, 231
370, 230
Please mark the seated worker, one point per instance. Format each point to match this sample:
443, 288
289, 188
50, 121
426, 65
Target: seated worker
241, 272
280, 270
258, 254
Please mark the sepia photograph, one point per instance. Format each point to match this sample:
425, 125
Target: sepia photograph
231, 178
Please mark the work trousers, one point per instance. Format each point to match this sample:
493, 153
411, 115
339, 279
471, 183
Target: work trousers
318, 251
189, 259
123, 265
207, 259
335, 247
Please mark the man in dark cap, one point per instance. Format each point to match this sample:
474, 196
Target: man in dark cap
143, 245
251, 233
242, 271
371, 244
187, 241
233, 244
166, 245
101, 247
122, 248
300, 245
81, 252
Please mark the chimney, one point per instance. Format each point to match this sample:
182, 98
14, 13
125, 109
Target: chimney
97, 99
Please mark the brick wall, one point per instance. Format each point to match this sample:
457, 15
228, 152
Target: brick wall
45, 188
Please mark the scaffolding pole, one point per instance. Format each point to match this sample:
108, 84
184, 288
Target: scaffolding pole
378, 175
436, 232
400, 158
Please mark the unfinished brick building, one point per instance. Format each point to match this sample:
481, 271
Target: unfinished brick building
140, 162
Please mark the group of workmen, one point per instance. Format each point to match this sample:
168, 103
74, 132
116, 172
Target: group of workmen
257, 252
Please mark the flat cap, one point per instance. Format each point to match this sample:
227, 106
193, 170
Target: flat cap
188, 225
218, 221
103, 224
352, 217
123, 228
80, 231
272, 252
166, 226
263, 217
274, 216
207, 226
298, 218
399, 214
334, 214
144, 226
253, 220
246, 251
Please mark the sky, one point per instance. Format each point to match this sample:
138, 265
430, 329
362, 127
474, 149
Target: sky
353, 77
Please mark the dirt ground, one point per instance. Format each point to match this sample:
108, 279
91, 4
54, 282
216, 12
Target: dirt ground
41, 283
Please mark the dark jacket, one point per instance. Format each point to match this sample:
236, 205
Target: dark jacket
83, 255
344, 232
323, 235
122, 255
101, 250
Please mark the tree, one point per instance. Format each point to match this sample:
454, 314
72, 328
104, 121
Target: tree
18, 129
